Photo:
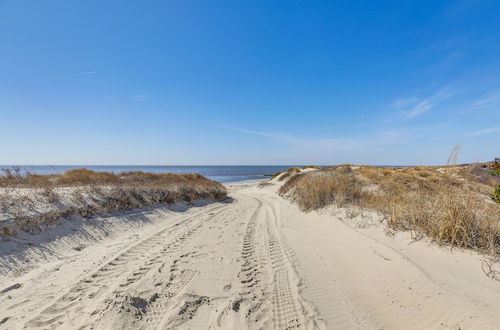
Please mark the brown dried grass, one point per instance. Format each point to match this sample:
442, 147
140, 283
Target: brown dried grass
447, 204
294, 170
89, 193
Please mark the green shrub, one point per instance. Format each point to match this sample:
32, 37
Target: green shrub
496, 195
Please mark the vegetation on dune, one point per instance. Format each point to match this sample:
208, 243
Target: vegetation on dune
284, 176
82, 176
496, 195
293, 170
448, 204
28, 200
495, 170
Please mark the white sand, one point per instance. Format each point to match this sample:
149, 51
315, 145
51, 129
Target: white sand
255, 263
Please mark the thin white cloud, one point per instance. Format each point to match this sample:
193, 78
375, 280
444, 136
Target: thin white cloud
437, 48
487, 101
88, 73
484, 131
324, 144
458, 136
427, 104
139, 97
329, 143
252, 132
404, 102
419, 109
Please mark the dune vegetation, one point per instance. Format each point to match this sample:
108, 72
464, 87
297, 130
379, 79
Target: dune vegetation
293, 170
30, 200
452, 205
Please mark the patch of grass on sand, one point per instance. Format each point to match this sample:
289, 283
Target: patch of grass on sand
294, 170
449, 204
29, 199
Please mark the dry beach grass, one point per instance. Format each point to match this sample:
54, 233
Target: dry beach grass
450, 205
29, 200
258, 262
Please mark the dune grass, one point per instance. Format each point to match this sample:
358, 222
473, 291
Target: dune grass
82, 176
293, 170
450, 205
28, 200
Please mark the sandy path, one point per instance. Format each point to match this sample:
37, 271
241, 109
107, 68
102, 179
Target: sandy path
255, 263
225, 266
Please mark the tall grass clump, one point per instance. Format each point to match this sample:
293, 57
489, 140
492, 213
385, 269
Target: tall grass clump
495, 169
445, 214
319, 189
434, 202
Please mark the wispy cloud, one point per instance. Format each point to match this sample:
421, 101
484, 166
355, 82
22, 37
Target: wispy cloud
419, 109
88, 73
484, 131
415, 107
404, 102
442, 56
437, 48
252, 132
486, 101
324, 144
458, 136
139, 97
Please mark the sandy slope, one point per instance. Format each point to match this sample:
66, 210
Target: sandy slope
254, 263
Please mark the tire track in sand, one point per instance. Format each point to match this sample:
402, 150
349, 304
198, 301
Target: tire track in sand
269, 296
106, 285
290, 310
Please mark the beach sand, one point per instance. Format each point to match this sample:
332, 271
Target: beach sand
253, 262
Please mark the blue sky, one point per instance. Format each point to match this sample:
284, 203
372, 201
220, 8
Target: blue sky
248, 82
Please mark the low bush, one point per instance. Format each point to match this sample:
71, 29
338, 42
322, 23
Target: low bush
316, 191
495, 171
496, 195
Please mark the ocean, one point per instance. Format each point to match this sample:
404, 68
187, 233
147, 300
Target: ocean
224, 173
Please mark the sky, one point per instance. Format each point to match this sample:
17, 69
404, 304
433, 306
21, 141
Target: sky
248, 82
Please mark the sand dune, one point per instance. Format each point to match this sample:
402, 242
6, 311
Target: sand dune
254, 263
